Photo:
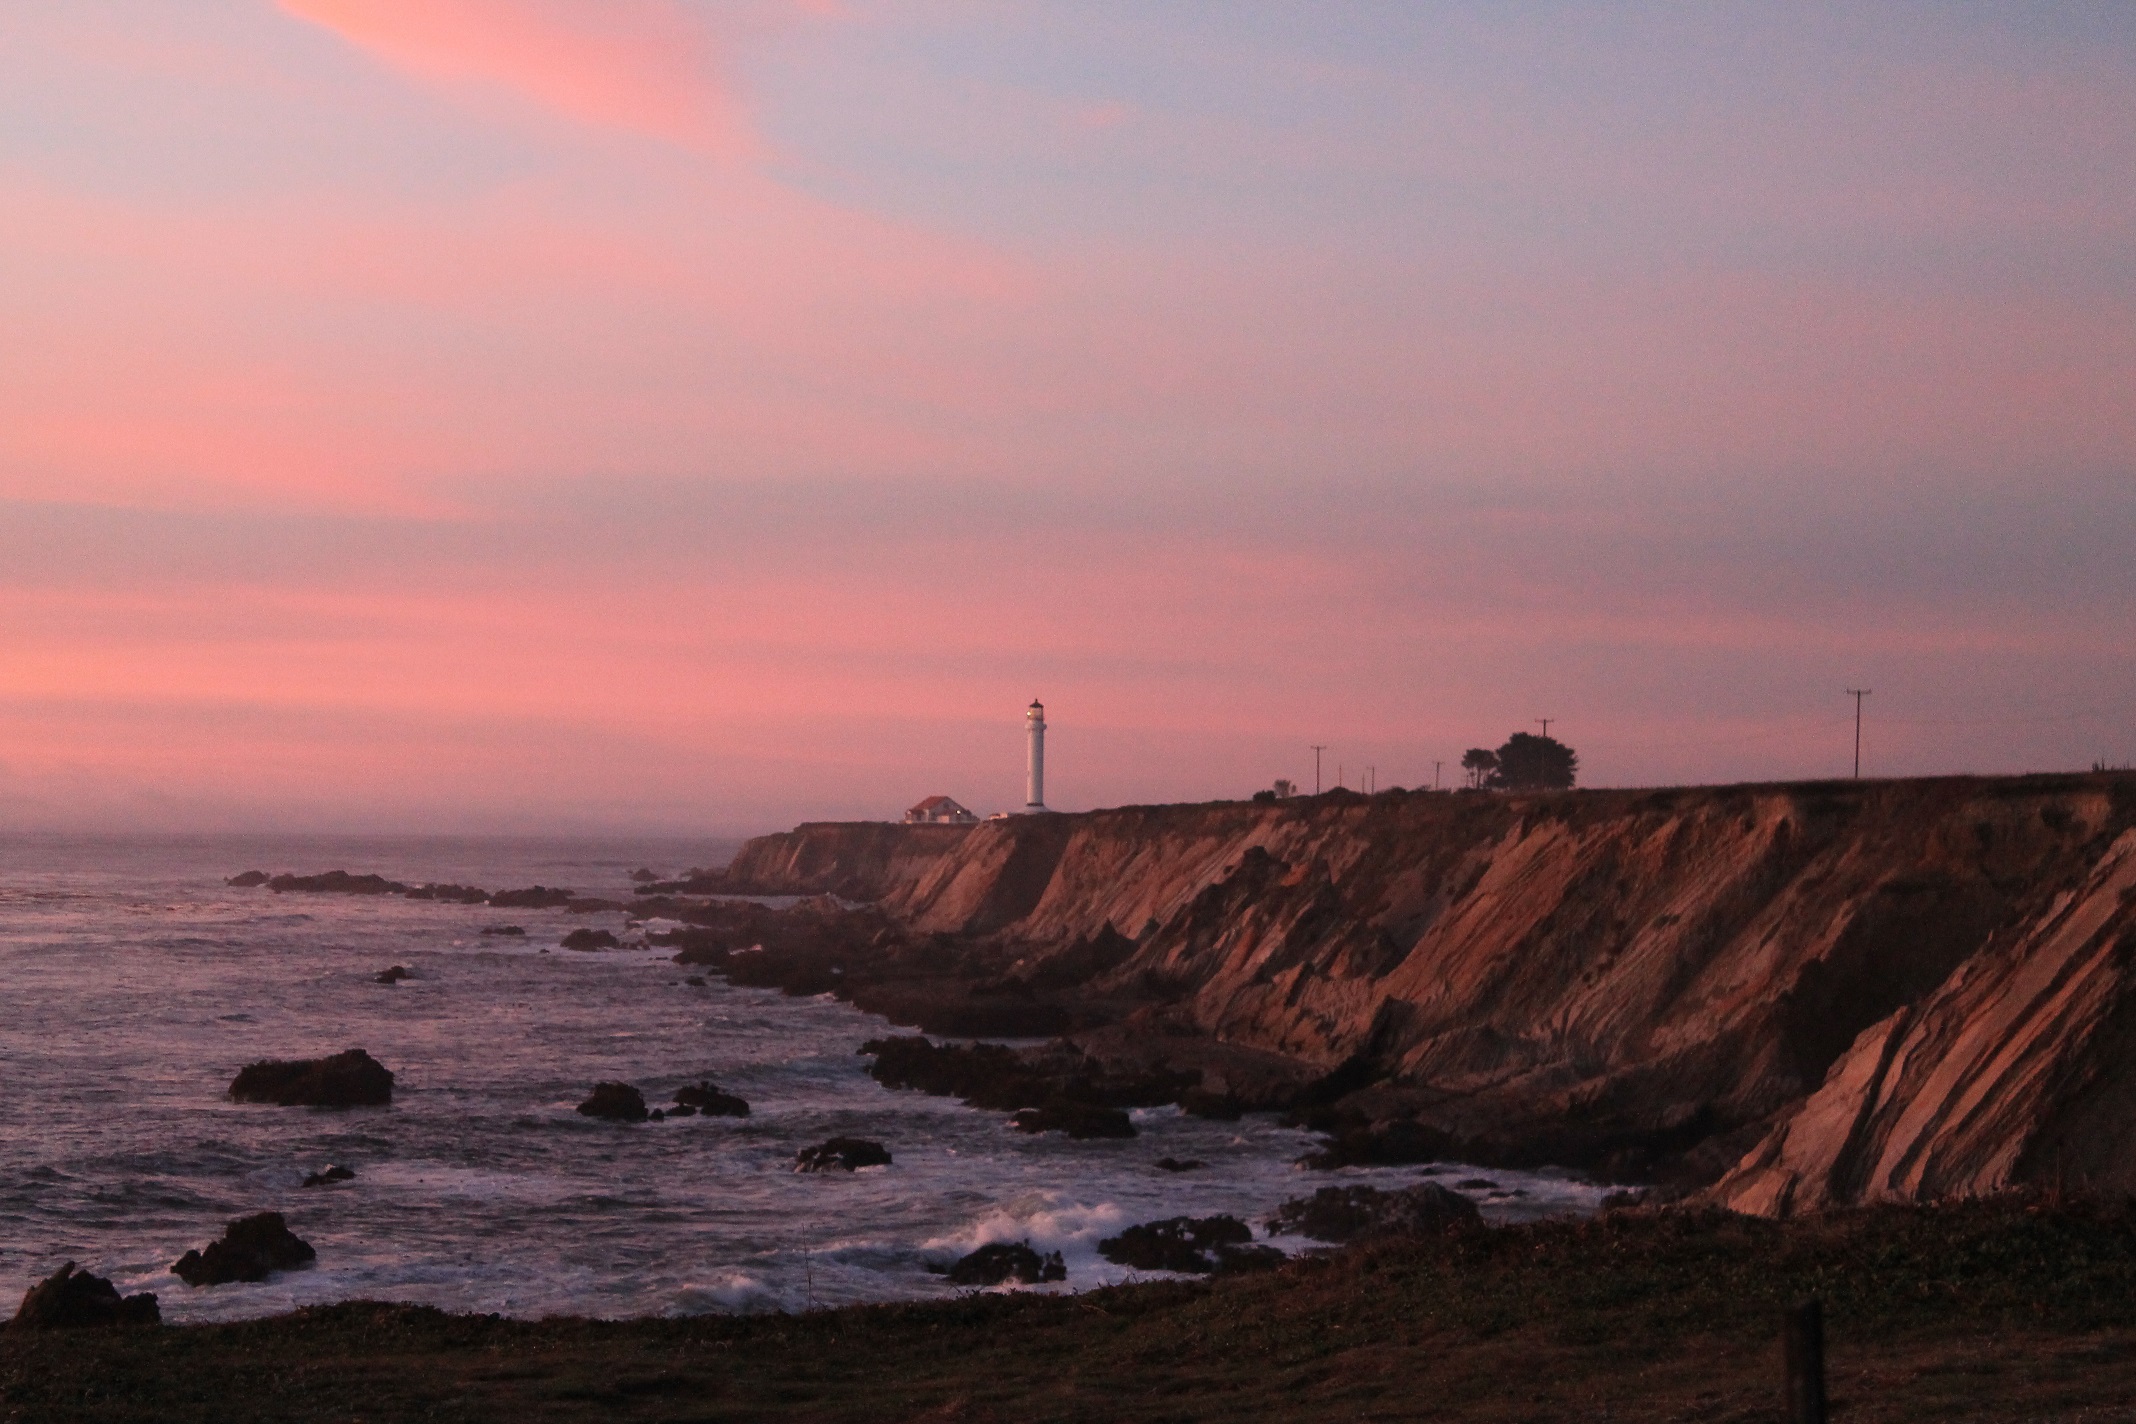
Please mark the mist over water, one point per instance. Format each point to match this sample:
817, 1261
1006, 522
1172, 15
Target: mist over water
136, 984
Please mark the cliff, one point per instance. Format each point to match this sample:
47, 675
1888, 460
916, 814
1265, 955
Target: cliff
2018, 1068
856, 860
1817, 993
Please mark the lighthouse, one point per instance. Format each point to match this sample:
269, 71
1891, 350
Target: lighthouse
1035, 724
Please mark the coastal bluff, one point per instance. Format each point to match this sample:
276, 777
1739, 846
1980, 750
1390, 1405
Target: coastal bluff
1797, 995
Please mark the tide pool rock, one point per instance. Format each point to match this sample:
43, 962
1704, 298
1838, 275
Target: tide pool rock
847, 1154
1079, 1120
1337, 1214
346, 1080
1003, 1261
1196, 1246
252, 1248
533, 897
614, 1102
70, 1300
706, 1097
336, 882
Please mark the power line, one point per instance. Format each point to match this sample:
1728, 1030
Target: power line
1546, 721
1858, 693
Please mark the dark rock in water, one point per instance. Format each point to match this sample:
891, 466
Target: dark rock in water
1002, 1261
337, 882
508, 931
707, 1098
1189, 1245
346, 1080
1399, 1143
1218, 1107
589, 939
698, 946
616, 1102
1477, 1184
695, 981
842, 1153
1175, 1164
69, 1299
1336, 1214
243, 882
335, 1173
534, 897
975, 1072
578, 906
642, 876
252, 1248
682, 1110
451, 894
392, 976
1078, 1120
656, 1115
993, 1075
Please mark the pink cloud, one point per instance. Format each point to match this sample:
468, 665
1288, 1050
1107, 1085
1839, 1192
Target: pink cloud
644, 66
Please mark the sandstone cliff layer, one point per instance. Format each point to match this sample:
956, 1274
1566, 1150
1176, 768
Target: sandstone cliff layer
1817, 993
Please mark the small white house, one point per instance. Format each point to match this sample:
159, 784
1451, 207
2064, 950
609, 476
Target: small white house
939, 810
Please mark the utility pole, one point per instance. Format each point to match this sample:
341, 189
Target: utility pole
1435, 774
1318, 748
1546, 721
1371, 779
1858, 693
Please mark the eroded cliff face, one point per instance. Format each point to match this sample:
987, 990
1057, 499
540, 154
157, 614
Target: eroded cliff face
858, 860
2020, 1068
1604, 975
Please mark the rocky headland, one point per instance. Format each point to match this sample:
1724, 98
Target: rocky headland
1783, 997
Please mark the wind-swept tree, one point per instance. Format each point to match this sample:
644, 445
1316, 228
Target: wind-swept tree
1530, 763
1481, 766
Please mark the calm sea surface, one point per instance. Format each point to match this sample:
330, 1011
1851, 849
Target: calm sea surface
134, 984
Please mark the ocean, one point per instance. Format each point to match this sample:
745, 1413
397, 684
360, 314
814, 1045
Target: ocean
136, 984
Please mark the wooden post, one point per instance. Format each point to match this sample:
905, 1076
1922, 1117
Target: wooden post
1805, 1364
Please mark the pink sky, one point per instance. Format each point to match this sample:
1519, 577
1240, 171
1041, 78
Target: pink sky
656, 414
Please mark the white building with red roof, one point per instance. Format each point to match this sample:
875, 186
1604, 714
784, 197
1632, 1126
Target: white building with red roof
939, 810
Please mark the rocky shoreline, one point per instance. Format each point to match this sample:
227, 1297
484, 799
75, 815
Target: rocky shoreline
1692, 991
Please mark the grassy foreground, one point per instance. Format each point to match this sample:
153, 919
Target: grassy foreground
1988, 1311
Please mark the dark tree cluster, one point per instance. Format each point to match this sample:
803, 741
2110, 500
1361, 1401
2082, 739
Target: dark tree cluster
1525, 762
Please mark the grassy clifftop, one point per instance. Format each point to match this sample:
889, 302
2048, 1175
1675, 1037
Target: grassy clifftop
1989, 1311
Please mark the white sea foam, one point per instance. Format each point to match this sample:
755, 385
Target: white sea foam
733, 1292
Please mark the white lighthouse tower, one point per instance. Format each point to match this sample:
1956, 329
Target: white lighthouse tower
1035, 723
